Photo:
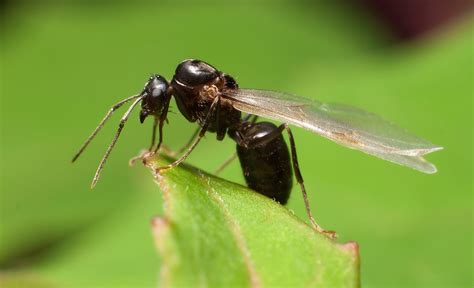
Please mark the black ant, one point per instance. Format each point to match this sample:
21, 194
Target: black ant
213, 99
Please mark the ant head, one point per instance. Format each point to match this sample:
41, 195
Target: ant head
195, 72
155, 97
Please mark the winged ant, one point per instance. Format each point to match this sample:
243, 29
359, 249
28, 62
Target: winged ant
214, 100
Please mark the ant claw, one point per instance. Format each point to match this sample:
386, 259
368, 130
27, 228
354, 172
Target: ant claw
144, 155
330, 234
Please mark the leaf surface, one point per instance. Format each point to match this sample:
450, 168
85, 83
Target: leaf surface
215, 233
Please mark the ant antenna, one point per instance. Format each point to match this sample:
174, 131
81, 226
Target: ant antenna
101, 124
117, 134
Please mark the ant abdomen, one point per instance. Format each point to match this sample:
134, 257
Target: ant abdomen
265, 159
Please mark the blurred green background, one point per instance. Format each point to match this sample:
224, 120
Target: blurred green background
63, 65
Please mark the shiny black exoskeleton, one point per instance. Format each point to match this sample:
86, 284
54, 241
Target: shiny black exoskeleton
196, 85
264, 159
261, 149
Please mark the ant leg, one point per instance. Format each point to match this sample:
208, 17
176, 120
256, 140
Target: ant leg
153, 135
160, 139
249, 143
101, 124
250, 117
112, 144
190, 141
299, 178
225, 163
162, 122
202, 131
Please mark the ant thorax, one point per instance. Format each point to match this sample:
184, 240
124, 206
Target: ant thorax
208, 93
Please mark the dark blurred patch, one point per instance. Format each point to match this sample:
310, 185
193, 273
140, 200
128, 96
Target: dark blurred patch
36, 251
4, 4
410, 19
40, 248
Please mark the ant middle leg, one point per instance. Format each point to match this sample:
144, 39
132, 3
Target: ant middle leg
201, 134
251, 118
225, 163
190, 141
196, 132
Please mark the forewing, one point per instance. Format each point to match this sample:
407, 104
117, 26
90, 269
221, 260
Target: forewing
346, 125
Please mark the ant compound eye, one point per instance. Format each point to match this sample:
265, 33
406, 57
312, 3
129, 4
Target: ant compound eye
195, 72
159, 90
156, 87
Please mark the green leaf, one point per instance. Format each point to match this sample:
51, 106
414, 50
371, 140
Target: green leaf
215, 233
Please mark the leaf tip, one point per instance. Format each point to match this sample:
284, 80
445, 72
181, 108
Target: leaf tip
350, 246
159, 225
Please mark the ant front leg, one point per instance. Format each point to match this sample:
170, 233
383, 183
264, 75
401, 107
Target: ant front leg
162, 120
153, 135
160, 138
202, 131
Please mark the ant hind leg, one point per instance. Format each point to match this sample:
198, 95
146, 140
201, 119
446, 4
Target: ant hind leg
299, 178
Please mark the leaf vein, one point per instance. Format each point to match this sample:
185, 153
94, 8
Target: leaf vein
234, 227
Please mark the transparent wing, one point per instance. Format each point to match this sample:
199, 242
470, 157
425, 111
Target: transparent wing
346, 125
